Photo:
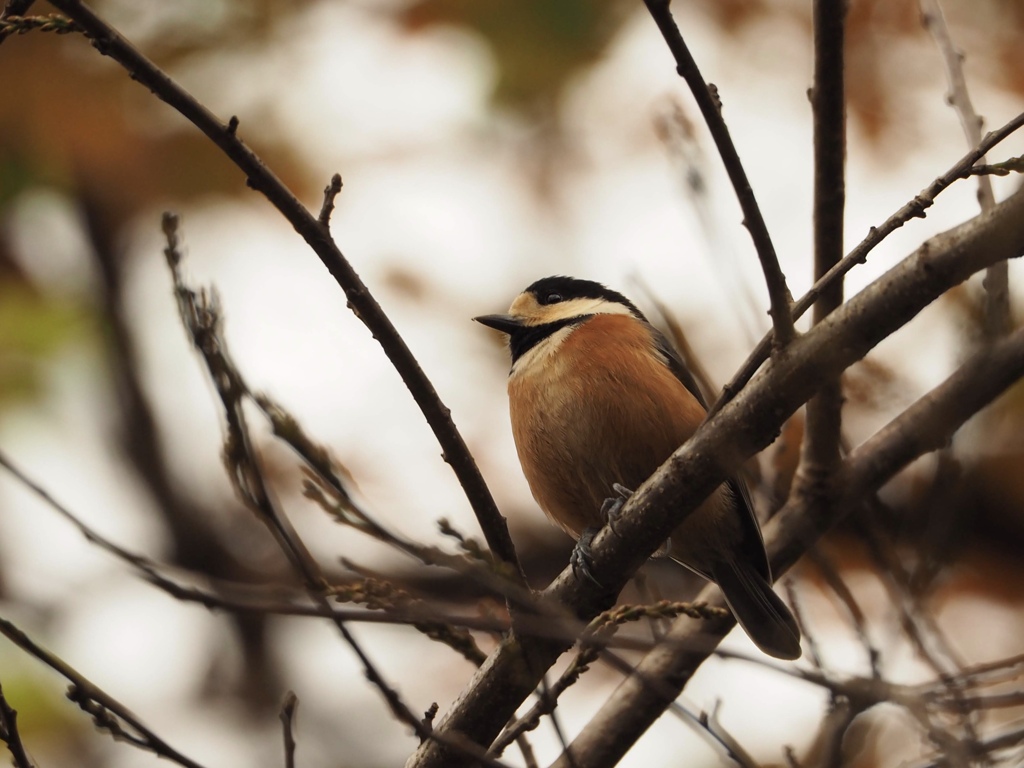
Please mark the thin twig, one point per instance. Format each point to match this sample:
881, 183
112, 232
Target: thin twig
998, 319
143, 564
201, 316
9, 734
711, 109
1013, 737
288, 707
556, 725
326, 486
678, 133
330, 194
733, 748
108, 713
454, 450
928, 640
239, 597
1005, 168
246, 598
810, 643
915, 208
839, 588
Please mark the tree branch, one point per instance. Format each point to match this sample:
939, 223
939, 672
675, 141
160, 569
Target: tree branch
915, 208
925, 426
201, 316
710, 107
291, 703
998, 319
102, 706
820, 451
716, 450
110, 43
10, 736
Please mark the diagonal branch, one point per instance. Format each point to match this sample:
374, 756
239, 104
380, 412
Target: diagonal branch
743, 427
201, 316
913, 209
110, 43
108, 713
925, 426
710, 107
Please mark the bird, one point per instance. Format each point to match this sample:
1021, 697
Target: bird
598, 400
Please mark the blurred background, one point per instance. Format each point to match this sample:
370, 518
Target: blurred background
482, 145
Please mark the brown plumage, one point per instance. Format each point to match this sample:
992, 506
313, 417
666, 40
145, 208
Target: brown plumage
597, 396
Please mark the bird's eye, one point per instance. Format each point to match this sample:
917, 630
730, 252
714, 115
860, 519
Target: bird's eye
551, 297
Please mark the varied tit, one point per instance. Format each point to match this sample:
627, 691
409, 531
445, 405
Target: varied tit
599, 398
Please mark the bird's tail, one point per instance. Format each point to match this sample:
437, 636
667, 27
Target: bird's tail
761, 612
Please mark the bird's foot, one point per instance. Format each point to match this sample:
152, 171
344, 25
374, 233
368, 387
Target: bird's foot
612, 506
582, 558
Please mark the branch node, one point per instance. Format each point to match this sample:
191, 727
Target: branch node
330, 193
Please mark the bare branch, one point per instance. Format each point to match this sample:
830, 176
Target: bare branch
200, 313
110, 43
108, 713
710, 107
143, 564
819, 455
1012, 737
998, 318
922, 427
291, 703
839, 588
9, 734
330, 193
716, 450
915, 208
931, 645
1005, 168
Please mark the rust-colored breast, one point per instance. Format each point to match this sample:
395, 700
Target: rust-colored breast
581, 421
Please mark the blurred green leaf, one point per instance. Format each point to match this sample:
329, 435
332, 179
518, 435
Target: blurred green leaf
539, 44
32, 328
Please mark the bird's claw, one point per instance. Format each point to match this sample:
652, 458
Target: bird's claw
611, 507
582, 558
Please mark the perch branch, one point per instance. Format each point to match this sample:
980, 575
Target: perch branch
743, 427
925, 426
